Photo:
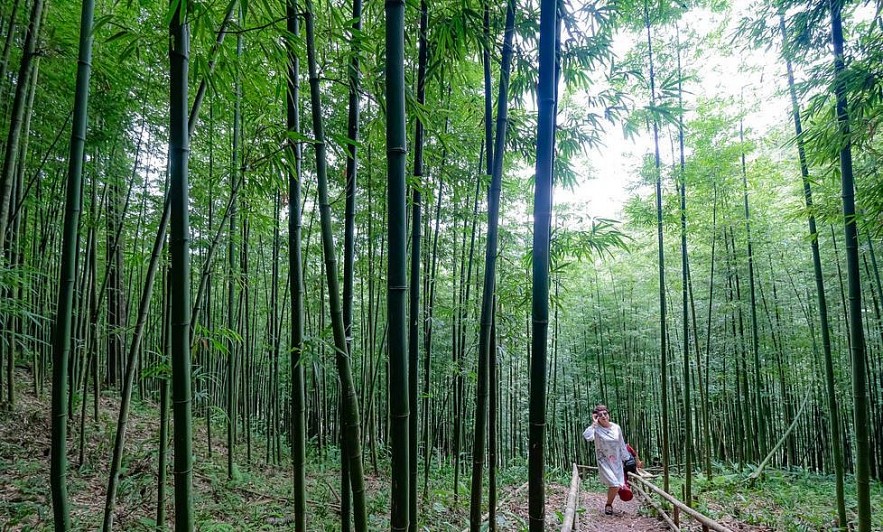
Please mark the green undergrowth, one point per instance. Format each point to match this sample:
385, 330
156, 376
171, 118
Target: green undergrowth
793, 500
255, 496
258, 496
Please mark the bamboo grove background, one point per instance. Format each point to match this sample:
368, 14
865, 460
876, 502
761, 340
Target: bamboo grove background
743, 350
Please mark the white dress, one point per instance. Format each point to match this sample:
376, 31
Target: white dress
610, 450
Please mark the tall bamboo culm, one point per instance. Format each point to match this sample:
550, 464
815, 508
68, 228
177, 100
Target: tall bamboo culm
67, 280
179, 150
397, 279
351, 424
546, 103
295, 261
856, 332
822, 301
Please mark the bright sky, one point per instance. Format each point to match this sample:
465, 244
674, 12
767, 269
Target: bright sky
609, 171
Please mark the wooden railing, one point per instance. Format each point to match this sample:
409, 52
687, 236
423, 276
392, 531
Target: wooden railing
641, 486
572, 500
706, 522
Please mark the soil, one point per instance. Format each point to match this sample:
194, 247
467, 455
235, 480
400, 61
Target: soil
513, 514
625, 514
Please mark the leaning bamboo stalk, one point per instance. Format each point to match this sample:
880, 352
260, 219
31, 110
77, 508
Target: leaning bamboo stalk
350, 414
759, 471
132, 361
572, 498
659, 509
710, 523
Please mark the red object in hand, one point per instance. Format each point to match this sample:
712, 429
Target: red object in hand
625, 493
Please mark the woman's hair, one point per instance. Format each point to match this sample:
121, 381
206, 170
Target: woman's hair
599, 407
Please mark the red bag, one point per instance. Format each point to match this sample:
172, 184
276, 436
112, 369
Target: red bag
625, 493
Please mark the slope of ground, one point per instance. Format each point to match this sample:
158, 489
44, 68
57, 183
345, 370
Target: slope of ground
258, 496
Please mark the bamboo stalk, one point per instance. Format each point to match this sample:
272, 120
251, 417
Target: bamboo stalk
756, 474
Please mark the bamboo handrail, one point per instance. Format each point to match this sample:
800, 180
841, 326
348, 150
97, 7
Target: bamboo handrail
647, 471
710, 523
659, 509
572, 498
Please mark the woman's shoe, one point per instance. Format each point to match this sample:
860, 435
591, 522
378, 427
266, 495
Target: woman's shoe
608, 509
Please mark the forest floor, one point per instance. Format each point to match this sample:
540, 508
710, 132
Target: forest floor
256, 496
626, 515
634, 515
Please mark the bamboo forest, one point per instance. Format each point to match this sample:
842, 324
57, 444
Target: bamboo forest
416, 265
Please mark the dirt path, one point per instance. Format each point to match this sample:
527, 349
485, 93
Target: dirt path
625, 515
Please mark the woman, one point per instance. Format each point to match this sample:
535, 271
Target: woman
611, 451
